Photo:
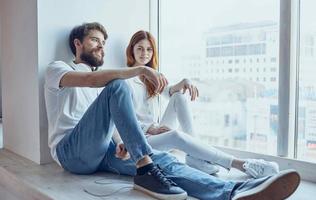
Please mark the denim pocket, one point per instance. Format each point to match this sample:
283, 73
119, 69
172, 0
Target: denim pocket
71, 161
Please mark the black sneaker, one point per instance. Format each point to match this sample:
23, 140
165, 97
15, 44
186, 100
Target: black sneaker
156, 184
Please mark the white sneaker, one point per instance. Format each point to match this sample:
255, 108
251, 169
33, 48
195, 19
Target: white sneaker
201, 165
258, 168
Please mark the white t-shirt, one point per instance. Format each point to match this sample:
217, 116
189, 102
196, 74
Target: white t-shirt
147, 109
65, 106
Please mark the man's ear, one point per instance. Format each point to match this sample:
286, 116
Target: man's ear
77, 43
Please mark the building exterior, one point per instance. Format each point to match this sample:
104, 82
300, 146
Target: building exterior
237, 73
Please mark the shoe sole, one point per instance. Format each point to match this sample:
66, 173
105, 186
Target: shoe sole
162, 196
277, 187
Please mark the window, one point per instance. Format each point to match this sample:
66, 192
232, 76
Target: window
241, 50
306, 127
239, 113
227, 51
213, 52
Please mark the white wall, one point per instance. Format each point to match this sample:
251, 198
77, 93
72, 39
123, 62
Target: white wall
121, 19
36, 34
20, 77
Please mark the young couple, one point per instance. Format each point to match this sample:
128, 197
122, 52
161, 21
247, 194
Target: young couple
85, 104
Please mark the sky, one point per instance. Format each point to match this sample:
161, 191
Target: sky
212, 13
308, 15
183, 22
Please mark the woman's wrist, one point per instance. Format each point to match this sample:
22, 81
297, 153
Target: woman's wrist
176, 88
171, 91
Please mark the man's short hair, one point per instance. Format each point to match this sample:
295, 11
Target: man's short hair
79, 32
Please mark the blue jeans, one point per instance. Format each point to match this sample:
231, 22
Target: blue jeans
89, 147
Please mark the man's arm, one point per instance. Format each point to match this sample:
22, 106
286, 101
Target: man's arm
102, 77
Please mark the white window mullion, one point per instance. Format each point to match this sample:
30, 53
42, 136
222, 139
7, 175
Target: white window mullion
284, 77
155, 30
154, 18
294, 84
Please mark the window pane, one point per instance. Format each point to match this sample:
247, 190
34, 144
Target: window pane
306, 142
230, 50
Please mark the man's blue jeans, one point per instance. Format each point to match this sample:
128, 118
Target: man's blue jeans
89, 147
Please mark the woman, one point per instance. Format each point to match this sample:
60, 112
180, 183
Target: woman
142, 51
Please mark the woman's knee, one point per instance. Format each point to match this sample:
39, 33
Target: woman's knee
179, 98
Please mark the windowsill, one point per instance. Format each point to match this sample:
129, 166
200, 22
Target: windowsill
305, 169
28, 180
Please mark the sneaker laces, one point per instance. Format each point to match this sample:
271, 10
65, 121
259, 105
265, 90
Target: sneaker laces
254, 168
158, 173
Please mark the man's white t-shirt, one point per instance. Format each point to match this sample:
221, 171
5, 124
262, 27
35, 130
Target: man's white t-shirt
65, 106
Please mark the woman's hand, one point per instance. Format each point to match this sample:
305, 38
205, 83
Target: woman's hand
154, 130
185, 85
121, 152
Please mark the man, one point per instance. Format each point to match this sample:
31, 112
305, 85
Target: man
81, 119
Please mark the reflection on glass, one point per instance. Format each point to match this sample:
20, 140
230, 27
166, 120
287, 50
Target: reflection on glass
230, 50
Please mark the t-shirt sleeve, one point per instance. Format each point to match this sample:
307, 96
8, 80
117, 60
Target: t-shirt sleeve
54, 72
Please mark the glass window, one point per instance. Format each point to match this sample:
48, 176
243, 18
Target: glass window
227, 51
241, 50
306, 143
234, 109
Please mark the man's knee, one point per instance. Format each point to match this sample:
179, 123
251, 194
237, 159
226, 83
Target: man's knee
117, 84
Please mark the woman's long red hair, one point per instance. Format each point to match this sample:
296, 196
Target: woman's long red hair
153, 63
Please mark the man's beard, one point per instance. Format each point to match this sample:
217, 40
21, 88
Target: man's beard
90, 59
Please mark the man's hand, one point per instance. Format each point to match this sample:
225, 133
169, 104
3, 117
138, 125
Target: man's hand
157, 79
121, 152
153, 130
